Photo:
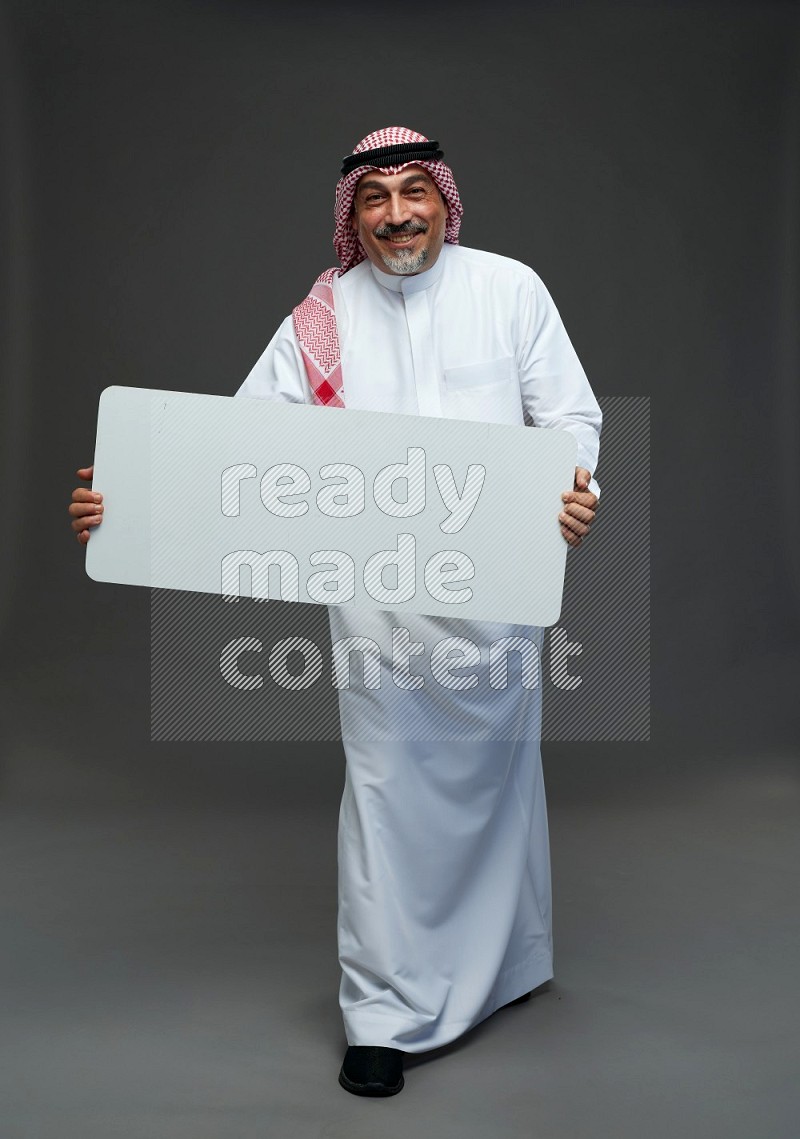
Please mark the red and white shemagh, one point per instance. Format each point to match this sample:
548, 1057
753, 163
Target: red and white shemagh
314, 318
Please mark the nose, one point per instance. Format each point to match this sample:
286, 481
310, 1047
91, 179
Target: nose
397, 209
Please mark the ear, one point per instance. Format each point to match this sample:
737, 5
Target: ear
353, 218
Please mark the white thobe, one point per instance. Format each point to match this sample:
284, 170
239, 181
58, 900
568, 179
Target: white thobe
444, 870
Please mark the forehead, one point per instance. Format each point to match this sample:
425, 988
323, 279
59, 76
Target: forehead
389, 182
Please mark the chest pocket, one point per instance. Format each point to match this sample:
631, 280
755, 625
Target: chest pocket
487, 391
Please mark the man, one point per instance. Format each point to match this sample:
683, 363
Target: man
444, 875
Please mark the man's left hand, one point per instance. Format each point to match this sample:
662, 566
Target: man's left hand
580, 507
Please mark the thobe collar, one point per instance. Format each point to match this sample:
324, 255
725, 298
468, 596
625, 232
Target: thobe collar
397, 283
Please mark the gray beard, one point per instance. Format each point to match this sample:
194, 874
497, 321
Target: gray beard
405, 263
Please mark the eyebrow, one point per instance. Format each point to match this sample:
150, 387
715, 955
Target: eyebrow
403, 185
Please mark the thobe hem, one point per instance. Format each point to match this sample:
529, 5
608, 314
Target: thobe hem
387, 1030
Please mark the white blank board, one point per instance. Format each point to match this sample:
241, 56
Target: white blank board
193, 498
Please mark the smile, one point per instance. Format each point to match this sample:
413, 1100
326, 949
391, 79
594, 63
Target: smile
402, 239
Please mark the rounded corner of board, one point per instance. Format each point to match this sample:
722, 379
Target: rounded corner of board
90, 569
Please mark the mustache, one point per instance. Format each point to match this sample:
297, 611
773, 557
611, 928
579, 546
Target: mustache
387, 230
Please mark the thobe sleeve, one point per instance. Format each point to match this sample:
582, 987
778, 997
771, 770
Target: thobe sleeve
555, 390
279, 372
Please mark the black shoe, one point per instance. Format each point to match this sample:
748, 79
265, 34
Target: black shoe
520, 1000
372, 1071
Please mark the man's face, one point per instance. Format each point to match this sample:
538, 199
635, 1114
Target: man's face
400, 220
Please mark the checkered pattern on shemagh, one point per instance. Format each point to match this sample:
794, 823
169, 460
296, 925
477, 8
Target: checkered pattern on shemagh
314, 318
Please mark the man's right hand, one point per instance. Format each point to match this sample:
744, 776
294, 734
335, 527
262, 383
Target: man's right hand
86, 508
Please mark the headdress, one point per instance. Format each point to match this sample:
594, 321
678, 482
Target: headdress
389, 151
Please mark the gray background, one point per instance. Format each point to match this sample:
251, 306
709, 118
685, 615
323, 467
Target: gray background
169, 929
